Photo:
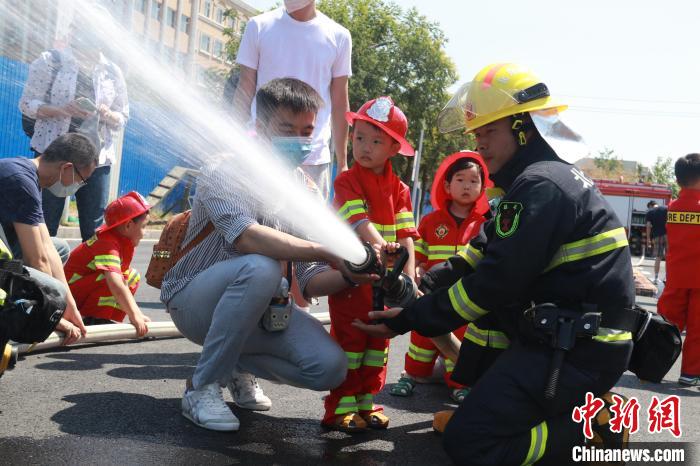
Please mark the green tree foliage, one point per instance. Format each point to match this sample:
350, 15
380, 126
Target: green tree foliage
400, 53
662, 173
607, 161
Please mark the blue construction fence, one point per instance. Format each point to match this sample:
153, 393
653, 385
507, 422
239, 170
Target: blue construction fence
140, 169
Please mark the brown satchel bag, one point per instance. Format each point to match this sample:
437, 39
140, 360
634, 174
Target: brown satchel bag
167, 251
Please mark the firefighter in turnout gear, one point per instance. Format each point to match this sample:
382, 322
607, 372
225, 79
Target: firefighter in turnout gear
555, 273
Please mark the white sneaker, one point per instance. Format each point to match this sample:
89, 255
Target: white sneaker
246, 392
206, 408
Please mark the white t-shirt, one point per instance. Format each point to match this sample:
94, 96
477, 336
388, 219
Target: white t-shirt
315, 51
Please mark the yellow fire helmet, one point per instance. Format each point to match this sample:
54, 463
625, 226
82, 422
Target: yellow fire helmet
497, 91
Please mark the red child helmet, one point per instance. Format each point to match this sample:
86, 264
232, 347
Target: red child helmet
438, 195
120, 211
382, 112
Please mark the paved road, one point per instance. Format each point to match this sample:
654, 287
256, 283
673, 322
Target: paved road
120, 404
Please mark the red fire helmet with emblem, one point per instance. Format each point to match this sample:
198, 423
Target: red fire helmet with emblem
120, 211
383, 113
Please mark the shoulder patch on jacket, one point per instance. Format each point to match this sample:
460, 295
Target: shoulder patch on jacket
508, 218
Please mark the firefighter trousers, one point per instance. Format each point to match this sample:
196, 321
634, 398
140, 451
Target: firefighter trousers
506, 418
682, 307
367, 358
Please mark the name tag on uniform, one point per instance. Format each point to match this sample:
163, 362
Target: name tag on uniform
687, 218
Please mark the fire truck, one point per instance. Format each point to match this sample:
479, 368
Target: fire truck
629, 200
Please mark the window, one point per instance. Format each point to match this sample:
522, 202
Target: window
204, 43
155, 9
219, 15
207, 8
218, 49
185, 24
170, 19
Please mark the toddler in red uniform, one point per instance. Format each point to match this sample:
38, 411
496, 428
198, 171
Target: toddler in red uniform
374, 201
99, 270
680, 300
458, 196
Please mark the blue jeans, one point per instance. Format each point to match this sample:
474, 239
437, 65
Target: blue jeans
91, 200
220, 310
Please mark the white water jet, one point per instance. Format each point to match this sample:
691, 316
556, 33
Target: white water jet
204, 131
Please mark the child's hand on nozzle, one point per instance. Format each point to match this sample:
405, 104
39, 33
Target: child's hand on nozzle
391, 248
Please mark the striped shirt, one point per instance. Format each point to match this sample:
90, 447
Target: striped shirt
231, 211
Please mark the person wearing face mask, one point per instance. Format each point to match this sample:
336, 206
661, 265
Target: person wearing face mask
219, 293
317, 51
77, 90
62, 168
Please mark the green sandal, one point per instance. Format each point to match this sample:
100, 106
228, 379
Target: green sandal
458, 394
404, 387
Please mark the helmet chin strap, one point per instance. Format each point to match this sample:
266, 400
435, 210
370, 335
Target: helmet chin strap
520, 126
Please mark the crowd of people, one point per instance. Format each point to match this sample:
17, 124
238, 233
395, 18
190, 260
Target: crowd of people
516, 236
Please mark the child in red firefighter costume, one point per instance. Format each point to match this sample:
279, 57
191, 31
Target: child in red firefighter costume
680, 300
374, 201
458, 195
99, 270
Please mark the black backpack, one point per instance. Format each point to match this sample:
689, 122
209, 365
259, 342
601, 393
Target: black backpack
31, 310
28, 123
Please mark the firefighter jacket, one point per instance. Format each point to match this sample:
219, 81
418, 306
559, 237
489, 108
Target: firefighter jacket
384, 200
554, 239
683, 230
441, 237
105, 252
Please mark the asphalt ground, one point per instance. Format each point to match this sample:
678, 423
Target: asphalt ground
119, 403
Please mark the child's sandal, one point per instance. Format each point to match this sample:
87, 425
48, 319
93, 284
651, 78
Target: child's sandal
376, 420
404, 387
350, 423
458, 394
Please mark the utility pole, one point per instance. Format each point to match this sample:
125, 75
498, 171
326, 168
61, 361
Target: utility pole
415, 180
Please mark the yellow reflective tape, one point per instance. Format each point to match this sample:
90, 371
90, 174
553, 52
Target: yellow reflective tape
589, 247
463, 305
449, 365
405, 225
74, 278
538, 443
420, 354
134, 277
375, 358
108, 260
421, 247
346, 404
3, 295
5, 252
607, 338
472, 255
388, 232
365, 402
354, 359
352, 207
434, 257
404, 215
489, 338
686, 218
91, 265
108, 301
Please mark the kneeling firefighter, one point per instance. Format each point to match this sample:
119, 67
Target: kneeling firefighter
555, 273
29, 310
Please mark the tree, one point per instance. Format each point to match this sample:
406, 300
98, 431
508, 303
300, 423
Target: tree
400, 53
662, 172
607, 161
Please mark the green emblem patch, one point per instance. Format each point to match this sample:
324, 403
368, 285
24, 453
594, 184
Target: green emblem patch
508, 218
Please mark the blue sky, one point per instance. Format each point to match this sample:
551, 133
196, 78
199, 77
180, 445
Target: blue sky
630, 70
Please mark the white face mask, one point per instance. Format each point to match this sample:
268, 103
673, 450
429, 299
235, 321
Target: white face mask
58, 189
294, 5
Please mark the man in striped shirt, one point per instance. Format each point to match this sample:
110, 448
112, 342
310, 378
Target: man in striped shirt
218, 292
